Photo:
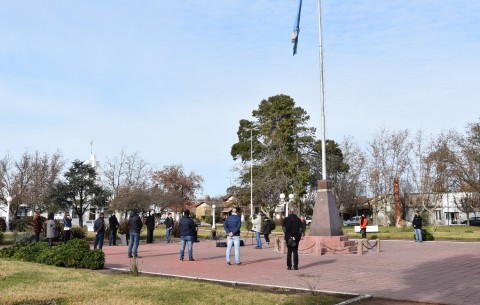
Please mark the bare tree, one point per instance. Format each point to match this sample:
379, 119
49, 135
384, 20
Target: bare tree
350, 184
127, 175
388, 157
177, 186
28, 180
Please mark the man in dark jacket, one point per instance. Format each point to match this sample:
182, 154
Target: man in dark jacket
113, 224
99, 228
417, 226
134, 228
169, 226
187, 229
292, 227
232, 227
150, 226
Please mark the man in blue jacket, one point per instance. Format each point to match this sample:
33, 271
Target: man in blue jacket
232, 227
187, 230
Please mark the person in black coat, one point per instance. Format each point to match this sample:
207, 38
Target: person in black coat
134, 228
113, 225
417, 226
150, 223
267, 229
292, 227
187, 231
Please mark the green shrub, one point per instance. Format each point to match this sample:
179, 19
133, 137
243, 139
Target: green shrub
75, 253
426, 235
78, 233
2, 237
123, 227
23, 224
29, 252
8, 252
94, 260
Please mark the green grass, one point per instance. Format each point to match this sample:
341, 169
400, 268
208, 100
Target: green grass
29, 283
457, 233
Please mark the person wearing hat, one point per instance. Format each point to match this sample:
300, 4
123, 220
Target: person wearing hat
363, 226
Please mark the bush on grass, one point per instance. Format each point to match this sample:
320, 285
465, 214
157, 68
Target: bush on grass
75, 253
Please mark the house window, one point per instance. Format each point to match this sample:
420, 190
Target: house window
92, 214
438, 215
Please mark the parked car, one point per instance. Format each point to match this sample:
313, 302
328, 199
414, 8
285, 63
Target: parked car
354, 221
308, 219
474, 221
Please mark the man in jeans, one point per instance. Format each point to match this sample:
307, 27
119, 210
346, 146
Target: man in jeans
417, 226
232, 227
187, 229
134, 227
99, 228
169, 226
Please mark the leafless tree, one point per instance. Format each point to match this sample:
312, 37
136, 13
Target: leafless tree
387, 158
28, 180
175, 186
350, 184
126, 176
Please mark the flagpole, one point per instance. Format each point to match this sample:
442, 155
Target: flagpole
322, 93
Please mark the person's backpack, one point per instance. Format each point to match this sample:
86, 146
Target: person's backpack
272, 225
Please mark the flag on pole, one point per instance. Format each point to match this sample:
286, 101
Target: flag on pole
296, 28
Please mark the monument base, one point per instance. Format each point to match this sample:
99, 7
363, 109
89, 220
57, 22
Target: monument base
320, 245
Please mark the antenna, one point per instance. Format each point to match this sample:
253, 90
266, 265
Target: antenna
91, 147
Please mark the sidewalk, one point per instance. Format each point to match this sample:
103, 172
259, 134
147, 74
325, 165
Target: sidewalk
434, 272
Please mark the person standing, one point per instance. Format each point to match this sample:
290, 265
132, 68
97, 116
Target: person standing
67, 227
304, 225
99, 228
292, 227
37, 225
267, 229
150, 222
363, 226
257, 228
134, 228
169, 226
417, 226
113, 225
50, 229
232, 227
187, 228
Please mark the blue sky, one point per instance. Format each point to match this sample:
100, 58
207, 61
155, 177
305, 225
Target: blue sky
171, 79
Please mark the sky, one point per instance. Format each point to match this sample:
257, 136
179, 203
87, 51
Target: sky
171, 80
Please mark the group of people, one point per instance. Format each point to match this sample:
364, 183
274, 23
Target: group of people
52, 231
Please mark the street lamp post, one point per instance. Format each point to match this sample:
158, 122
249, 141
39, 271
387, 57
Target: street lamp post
214, 231
213, 220
9, 200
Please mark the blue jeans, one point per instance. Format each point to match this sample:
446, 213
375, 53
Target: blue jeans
169, 233
189, 241
418, 235
112, 238
259, 239
133, 244
99, 240
235, 240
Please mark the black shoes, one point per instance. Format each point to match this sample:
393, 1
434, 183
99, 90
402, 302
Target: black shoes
295, 268
289, 268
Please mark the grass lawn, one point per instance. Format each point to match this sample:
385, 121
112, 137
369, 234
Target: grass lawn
30, 283
457, 233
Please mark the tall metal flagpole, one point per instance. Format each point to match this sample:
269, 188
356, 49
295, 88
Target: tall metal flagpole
251, 173
322, 93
